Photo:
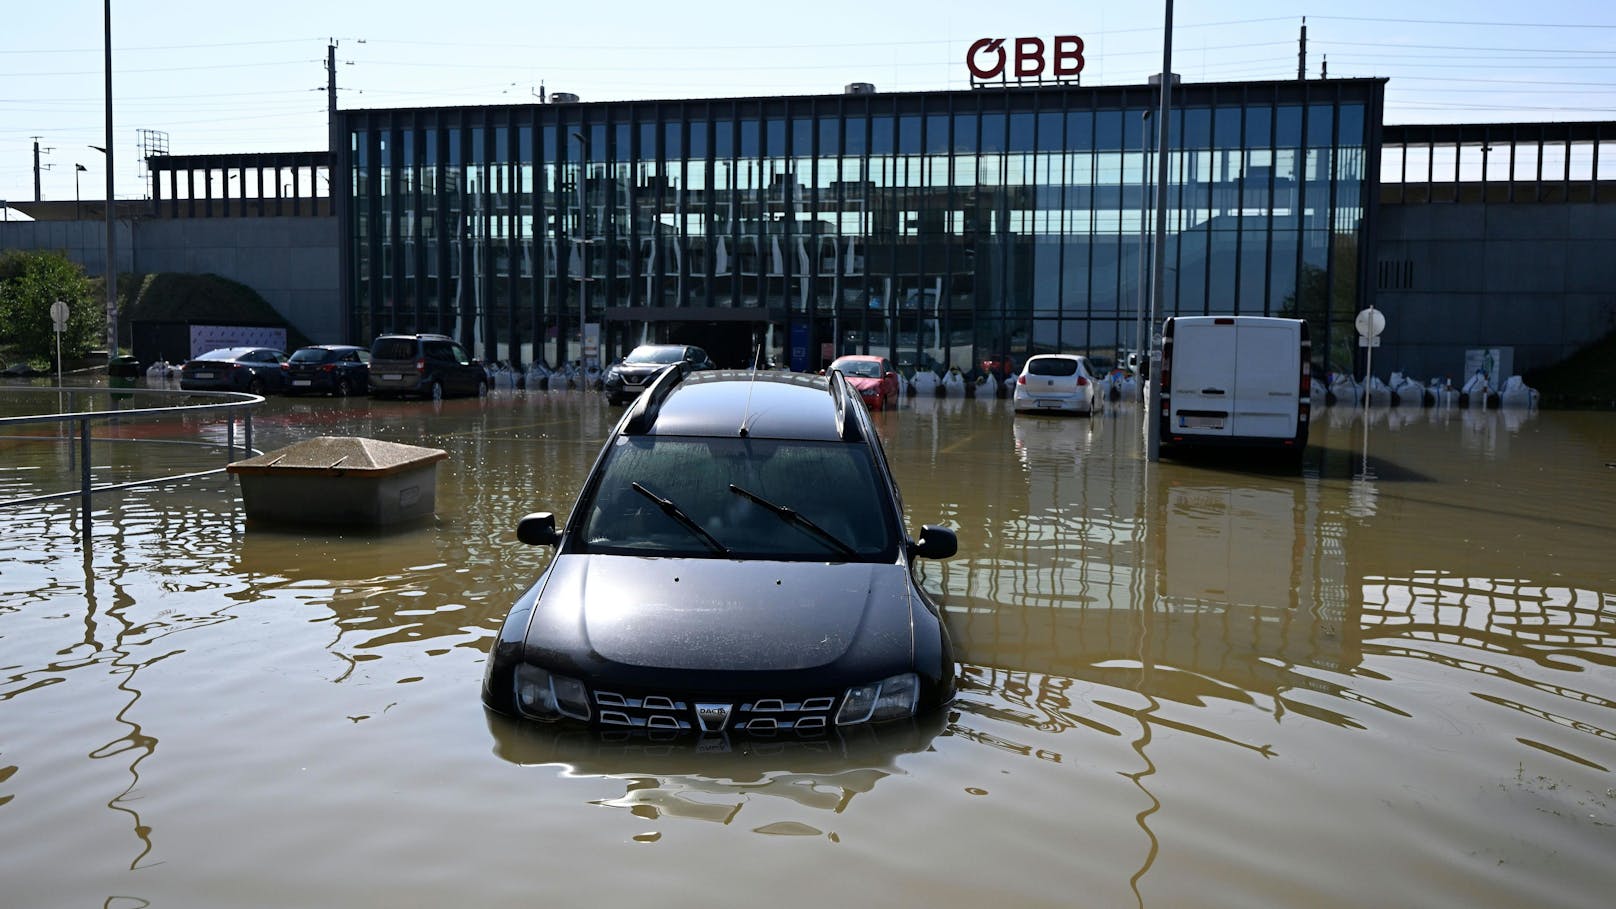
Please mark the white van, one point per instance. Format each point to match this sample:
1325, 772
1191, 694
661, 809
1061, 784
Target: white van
1235, 380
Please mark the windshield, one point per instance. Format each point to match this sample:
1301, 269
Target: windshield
310, 355
832, 484
660, 355
863, 369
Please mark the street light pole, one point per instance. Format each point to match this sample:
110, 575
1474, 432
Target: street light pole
112, 239
583, 244
1159, 252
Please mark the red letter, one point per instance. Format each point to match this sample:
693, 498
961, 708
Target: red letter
1068, 55
992, 45
1029, 57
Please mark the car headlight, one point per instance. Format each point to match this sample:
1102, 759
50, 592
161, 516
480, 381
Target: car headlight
890, 699
544, 695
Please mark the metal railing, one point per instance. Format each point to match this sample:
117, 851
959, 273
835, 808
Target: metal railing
229, 404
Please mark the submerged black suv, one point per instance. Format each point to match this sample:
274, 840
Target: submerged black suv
736, 563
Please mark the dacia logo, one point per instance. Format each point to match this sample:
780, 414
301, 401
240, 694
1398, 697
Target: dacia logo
713, 717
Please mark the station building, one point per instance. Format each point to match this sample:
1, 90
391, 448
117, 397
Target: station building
939, 228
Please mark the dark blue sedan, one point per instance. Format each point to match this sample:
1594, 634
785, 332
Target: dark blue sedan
256, 370
329, 369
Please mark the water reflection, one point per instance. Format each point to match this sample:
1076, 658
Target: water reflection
713, 779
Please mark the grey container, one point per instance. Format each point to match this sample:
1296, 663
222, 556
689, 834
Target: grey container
340, 480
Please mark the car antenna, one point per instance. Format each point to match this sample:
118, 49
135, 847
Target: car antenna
746, 415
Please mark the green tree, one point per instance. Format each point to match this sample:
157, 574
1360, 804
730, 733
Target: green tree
29, 283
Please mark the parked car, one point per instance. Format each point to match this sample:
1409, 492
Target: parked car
256, 370
329, 369
874, 378
431, 366
632, 374
735, 564
1064, 383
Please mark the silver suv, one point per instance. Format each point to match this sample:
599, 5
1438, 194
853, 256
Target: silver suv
431, 366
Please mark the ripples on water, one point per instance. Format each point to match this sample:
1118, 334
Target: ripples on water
1385, 679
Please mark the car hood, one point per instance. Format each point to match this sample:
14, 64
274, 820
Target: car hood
721, 614
862, 383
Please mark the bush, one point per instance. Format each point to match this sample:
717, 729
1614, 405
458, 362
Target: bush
29, 283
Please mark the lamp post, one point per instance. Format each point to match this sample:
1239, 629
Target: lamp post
112, 257
77, 169
583, 242
1158, 253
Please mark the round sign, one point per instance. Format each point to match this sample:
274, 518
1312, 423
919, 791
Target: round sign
58, 313
1371, 322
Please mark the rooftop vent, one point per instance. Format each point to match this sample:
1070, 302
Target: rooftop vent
563, 98
859, 88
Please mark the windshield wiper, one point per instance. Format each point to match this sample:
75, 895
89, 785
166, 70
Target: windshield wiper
689, 523
795, 517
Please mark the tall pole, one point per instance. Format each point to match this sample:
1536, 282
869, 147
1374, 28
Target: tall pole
36, 168
1301, 52
1144, 221
112, 254
1159, 252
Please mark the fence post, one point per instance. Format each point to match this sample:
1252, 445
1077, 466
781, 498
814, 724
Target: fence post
84, 473
246, 422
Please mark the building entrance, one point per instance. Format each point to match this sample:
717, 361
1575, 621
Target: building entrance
732, 345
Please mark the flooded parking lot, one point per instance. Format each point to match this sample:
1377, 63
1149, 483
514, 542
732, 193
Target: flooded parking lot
1387, 678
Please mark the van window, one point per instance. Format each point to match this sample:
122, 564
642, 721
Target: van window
393, 349
438, 350
1051, 366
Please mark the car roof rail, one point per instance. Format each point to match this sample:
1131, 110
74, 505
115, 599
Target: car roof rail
642, 413
840, 394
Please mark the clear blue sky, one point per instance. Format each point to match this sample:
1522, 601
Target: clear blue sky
227, 76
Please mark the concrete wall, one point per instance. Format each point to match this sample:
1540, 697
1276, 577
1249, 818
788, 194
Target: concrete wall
1540, 278
291, 262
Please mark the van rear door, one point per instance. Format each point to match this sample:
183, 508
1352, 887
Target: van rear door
1204, 369
1266, 390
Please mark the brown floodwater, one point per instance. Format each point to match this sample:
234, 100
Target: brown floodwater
1386, 678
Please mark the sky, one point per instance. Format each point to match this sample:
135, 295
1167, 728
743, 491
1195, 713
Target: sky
216, 76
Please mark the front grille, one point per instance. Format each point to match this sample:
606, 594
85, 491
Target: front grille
680, 713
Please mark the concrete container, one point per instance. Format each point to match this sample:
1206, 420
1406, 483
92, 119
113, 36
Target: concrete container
340, 480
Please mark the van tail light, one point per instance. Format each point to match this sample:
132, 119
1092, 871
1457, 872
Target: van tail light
1305, 391
420, 367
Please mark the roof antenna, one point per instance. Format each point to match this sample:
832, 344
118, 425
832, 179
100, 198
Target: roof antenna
746, 417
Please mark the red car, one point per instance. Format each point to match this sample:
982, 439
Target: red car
872, 377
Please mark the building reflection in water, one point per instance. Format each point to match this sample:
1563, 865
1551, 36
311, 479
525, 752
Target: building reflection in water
713, 778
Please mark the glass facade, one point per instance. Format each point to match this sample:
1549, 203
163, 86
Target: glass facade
935, 228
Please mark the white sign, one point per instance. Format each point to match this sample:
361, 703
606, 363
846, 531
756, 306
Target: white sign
212, 337
1370, 322
59, 314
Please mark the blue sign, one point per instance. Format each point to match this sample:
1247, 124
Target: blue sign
799, 347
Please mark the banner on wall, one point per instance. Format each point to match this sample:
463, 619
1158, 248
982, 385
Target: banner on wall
213, 337
591, 351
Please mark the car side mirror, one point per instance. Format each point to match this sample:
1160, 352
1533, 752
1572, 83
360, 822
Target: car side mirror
936, 543
538, 529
